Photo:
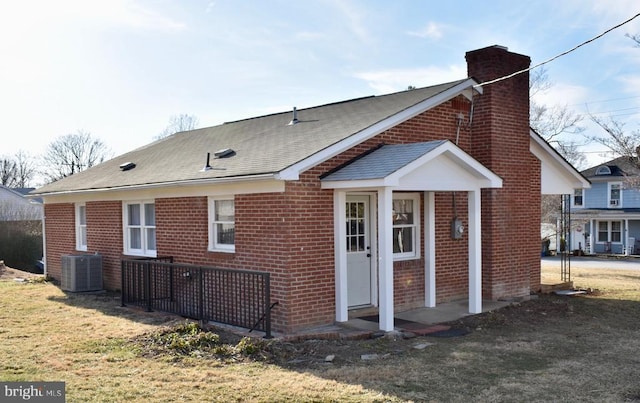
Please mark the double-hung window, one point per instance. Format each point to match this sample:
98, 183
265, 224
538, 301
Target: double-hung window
615, 194
609, 231
139, 222
578, 198
222, 224
406, 226
81, 226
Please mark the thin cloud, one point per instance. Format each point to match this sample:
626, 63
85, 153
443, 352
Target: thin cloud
134, 15
355, 19
115, 12
563, 94
431, 31
385, 81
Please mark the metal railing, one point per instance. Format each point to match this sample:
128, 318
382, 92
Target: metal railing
235, 297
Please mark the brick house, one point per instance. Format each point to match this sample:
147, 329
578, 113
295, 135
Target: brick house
394, 201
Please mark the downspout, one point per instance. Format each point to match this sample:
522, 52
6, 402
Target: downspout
44, 245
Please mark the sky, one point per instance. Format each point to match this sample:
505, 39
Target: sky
120, 69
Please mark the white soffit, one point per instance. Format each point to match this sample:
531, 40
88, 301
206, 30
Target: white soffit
557, 176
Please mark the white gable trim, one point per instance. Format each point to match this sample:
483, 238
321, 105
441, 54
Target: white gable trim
465, 88
557, 176
466, 174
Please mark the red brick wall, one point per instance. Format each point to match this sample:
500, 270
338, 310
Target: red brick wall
104, 236
500, 141
60, 234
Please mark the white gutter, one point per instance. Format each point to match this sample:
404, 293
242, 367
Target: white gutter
147, 186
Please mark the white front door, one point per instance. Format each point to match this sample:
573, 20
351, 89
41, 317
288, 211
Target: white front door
359, 273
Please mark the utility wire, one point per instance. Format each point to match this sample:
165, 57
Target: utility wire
557, 56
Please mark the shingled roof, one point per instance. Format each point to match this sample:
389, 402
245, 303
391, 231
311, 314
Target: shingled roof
262, 145
619, 167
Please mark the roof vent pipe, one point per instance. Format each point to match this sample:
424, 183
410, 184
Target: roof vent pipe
295, 117
207, 167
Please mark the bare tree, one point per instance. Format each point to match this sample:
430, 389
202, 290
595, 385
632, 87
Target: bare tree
17, 171
25, 169
7, 171
178, 123
73, 153
635, 38
554, 123
621, 142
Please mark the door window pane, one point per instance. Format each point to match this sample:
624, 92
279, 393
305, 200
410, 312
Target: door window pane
356, 238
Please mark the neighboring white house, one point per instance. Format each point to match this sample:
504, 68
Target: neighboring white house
14, 206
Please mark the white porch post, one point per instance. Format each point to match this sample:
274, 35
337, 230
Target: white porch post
627, 250
385, 252
592, 230
429, 250
475, 252
340, 253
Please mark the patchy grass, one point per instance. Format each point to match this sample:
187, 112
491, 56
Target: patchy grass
548, 349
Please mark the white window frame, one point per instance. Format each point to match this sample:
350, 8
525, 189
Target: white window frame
610, 203
214, 245
415, 254
81, 229
609, 232
144, 227
573, 198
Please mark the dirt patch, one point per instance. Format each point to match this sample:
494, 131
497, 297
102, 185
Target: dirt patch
9, 274
179, 343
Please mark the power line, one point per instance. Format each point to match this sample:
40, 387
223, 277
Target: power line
557, 56
605, 100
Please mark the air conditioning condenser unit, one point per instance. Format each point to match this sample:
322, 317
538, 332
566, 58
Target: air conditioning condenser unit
81, 273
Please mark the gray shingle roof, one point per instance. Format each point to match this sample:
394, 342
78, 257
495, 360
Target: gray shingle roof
620, 167
383, 161
263, 145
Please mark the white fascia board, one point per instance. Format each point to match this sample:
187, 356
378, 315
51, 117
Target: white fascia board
548, 155
364, 185
485, 178
178, 189
456, 154
465, 88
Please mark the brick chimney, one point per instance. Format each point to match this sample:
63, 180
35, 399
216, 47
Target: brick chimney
500, 141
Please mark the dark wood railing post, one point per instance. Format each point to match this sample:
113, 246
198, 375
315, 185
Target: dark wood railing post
122, 282
267, 306
201, 294
147, 285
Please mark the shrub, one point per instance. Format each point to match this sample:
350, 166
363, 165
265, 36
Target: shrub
21, 244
